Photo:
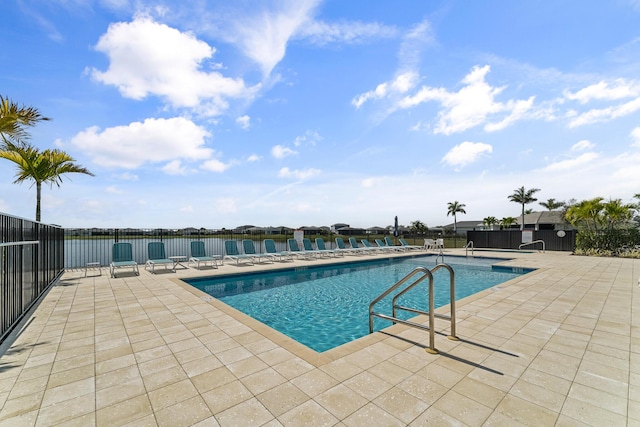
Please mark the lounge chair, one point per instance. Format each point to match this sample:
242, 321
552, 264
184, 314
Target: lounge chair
389, 243
354, 245
322, 248
367, 244
344, 249
295, 250
429, 244
439, 244
408, 246
270, 248
383, 245
308, 247
122, 257
199, 255
232, 253
157, 256
250, 249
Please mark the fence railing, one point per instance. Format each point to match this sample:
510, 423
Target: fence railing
31, 260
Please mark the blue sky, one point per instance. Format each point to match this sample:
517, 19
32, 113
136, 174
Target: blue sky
296, 112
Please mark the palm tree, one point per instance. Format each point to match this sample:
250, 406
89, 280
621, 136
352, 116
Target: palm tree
507, 222
454, 208
47, 166
13, 120
523, 197
587, 213
490, 221
552, 205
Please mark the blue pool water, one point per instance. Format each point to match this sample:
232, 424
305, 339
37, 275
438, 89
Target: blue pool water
326, 306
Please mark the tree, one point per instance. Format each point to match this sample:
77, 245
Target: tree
14, 119
507, 222
523, 197
454, 208
587, 214
490, 221
47, 166
552, 204
418, 227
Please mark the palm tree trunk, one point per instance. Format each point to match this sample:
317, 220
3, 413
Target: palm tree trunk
522, 223
38, 194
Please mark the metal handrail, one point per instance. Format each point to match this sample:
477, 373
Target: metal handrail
531, 243
466, 248
431, 313
27, 242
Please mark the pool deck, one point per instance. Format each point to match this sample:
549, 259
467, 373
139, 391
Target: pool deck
559, 346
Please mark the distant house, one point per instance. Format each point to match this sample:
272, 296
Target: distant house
376, 230
242, 229
350, 231
545, 220
335, 227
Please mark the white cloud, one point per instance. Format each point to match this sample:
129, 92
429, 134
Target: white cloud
571, 164
152, 141
605, 114
298, 174
466, 153
244, 122
400, 85
174, 167
112, 189
310, 137
617, 89
322, 33
263, 35
370, 182
187, 209
127, 176
146, 58
471, 106
226, 205
583, 145
280, 152
215, 165
253, 158
635, 135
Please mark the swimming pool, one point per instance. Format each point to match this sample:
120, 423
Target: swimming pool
323, 307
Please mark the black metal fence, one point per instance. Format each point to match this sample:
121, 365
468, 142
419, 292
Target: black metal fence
31, 260
512, 239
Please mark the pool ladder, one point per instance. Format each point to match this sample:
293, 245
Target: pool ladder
422, 273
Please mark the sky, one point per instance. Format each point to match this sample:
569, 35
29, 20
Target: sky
297, 113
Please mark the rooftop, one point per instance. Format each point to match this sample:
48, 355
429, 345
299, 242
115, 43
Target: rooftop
559, 346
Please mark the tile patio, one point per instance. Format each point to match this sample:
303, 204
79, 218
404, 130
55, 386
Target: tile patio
559, 346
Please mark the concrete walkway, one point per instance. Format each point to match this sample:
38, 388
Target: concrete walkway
559, 346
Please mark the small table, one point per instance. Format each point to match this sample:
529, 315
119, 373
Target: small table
178, 261
92, 265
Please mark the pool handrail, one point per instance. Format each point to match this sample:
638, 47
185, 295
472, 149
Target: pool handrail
531, 243
427, 274
466, 248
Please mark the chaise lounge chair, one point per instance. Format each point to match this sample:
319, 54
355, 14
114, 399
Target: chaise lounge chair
374, 249
294, 249
250, 249
384, 247
389, 243
157, 256
410, 247
270, 248
322, 248
354, 245
122, 257
344, 249
232, 253
199, 255
308, 247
